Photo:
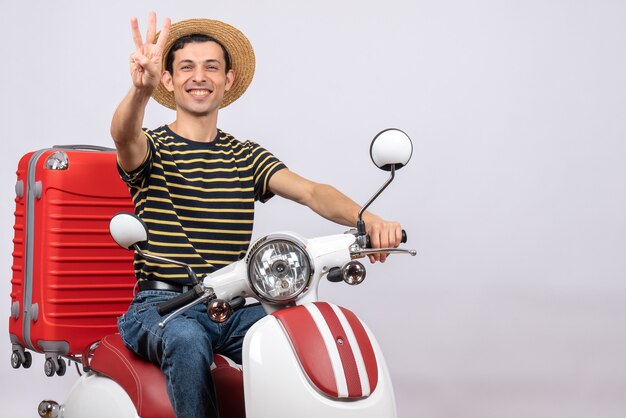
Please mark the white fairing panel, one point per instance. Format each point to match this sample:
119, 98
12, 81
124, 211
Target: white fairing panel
276, 386
327, 252
94, 396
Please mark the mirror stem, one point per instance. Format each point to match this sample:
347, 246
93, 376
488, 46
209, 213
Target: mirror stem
360, 223
151, 257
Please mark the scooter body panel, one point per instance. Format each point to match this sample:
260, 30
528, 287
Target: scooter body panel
276, 385
97, 396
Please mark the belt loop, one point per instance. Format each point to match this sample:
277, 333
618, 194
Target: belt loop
185, 288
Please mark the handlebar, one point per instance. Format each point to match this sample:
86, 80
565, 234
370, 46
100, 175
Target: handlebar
195, 295
197, 291
179, 301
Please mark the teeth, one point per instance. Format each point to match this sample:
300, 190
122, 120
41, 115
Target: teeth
199, 92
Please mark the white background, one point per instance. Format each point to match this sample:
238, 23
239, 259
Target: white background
515, 197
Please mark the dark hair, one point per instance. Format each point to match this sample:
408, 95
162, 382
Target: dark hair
187, 39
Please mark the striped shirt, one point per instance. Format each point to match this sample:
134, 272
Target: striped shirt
197, 199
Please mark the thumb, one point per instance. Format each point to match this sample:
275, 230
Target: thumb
139, 59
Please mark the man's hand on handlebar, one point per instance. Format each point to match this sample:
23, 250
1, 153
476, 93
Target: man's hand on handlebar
382, 234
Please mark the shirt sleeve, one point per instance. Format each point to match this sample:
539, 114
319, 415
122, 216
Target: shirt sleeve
136, 177
265, 165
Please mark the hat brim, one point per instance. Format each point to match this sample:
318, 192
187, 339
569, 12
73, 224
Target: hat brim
239, 50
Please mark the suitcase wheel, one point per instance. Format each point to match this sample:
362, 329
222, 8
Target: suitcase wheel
62, 367
54, 365
17, 360
28, 360
49, 367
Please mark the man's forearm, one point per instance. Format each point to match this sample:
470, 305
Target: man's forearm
126, 130
323, 199
128, 117
335, 206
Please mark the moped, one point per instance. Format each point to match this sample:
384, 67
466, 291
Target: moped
306, 358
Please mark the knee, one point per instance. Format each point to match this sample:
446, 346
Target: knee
191, 341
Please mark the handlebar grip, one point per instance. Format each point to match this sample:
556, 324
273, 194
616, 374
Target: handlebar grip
335, 275
403, 240
176, 302
237, 303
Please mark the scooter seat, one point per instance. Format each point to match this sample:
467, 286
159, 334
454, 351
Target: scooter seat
144, 382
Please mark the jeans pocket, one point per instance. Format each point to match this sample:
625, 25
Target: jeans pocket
140, 307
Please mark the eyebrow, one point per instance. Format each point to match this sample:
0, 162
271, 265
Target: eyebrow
209, 61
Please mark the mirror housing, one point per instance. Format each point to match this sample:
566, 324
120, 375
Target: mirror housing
391, 147
127, 230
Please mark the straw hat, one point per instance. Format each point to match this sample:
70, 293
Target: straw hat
238, 46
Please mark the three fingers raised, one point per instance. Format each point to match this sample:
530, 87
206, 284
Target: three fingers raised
151, 32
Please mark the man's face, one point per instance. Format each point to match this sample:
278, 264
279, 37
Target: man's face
199, 80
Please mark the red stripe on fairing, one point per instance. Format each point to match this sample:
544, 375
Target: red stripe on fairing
309, 347
345, 350
365, 345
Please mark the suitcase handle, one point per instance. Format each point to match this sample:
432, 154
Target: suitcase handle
87, 147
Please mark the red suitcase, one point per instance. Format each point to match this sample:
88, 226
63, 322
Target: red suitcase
70, 281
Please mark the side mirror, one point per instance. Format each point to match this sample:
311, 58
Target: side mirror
390, 150
127, 230
391, 147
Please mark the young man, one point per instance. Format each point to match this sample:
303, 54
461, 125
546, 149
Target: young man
195, 187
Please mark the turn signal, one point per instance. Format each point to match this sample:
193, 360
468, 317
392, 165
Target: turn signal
219, 310
48, 409
353, 273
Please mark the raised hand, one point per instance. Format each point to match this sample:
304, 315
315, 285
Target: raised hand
146, 61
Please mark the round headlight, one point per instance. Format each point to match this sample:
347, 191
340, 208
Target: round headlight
279, 270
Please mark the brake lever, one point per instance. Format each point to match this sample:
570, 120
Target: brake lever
206, 297
360, 252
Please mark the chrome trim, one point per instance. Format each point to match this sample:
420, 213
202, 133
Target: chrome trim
254, 247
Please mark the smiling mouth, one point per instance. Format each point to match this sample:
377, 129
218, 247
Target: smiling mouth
199, 92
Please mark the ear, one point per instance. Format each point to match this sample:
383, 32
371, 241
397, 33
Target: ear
230, 79
166, 79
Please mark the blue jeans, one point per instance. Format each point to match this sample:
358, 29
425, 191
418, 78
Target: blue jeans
184, 348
